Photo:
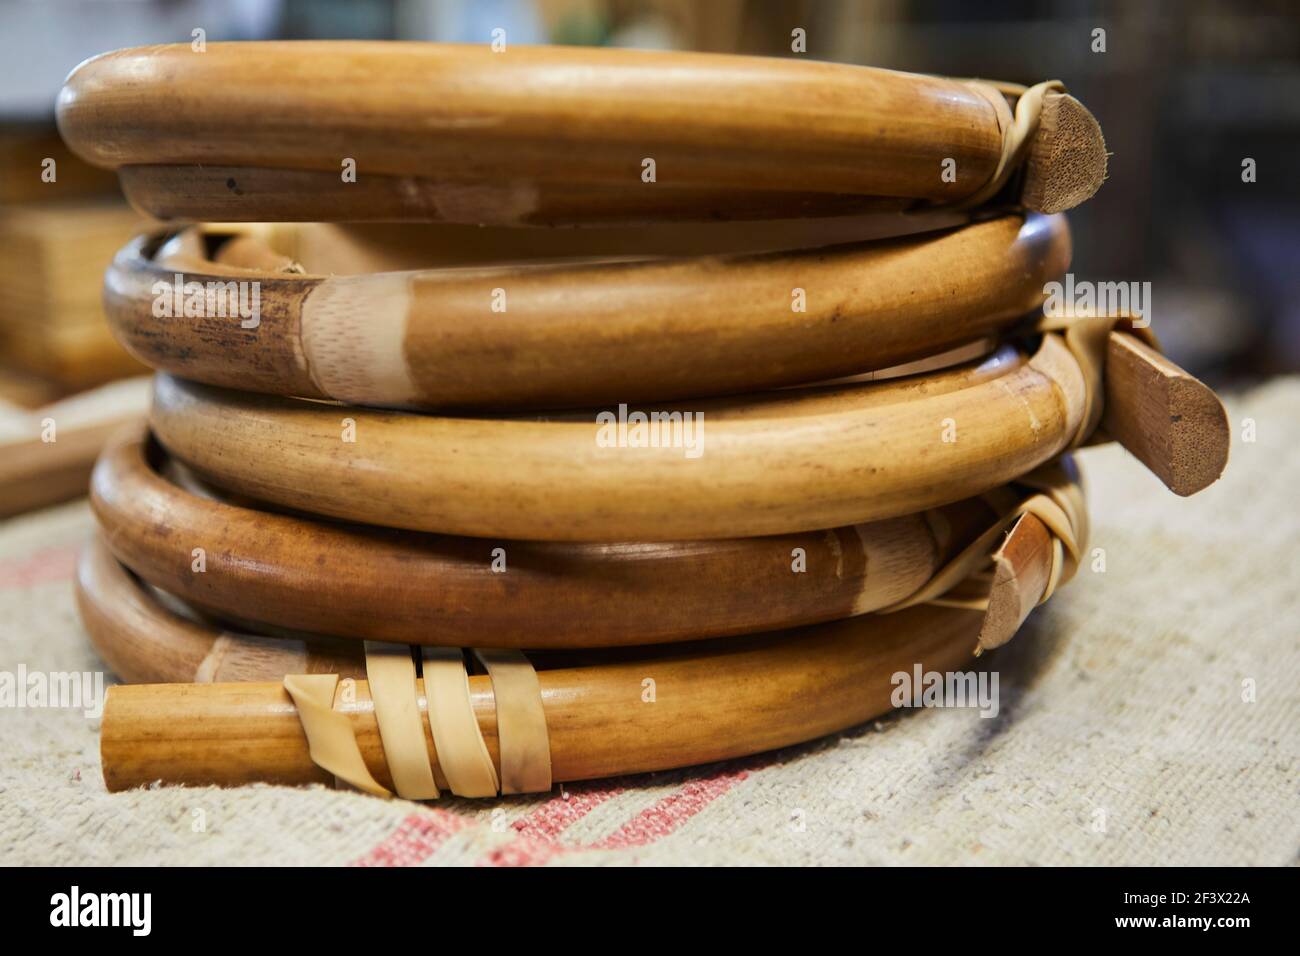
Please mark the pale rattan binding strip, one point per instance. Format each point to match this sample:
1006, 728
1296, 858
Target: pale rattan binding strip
462, 755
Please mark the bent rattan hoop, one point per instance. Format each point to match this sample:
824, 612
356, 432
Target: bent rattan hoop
257, 194
714, 700
484, 136
801, 459
588, 333
144, 641
331, 248
361, 582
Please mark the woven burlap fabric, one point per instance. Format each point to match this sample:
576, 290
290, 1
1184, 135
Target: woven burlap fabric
1123, 736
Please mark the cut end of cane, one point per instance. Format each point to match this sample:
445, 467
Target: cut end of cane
1021, 568
1066, 164
1168, 419
1199, 437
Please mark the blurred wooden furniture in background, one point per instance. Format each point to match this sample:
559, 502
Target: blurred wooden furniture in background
51, 279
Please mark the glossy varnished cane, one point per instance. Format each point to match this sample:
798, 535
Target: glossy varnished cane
712, 701
294, 571
143, 641
584, 332
607, 712
769, 464
479, 135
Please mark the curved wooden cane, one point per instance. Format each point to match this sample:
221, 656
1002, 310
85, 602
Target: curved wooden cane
149, 636
721, 698
776, 463
373, 583
510, 135
259, 194
143, 641
714, 700
330, 248
584, 333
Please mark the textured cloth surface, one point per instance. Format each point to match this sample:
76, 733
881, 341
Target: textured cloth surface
1123, 735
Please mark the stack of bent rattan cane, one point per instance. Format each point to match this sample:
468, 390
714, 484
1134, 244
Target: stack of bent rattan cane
429, 507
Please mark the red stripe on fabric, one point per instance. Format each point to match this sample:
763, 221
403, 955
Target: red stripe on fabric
554, 816
525, 851
671, 812
51, 564
420, 834
415, 839
646, 827
537, 841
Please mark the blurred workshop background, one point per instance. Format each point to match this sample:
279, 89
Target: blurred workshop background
1186, 93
